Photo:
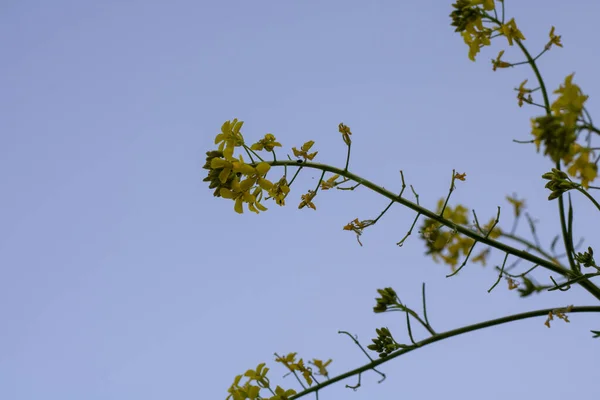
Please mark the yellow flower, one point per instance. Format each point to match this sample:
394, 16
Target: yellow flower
307, 200
517, 204
279, 191
522, 91
554, 39
560, 313
512, 284
582, 168
330, 182
303, 152
460, 177
240, 194
498, 63
476, 36
322, 366
230, 137
511, 31
255, 174
268, 143
281, 394
569, 103
239, 191
345, 131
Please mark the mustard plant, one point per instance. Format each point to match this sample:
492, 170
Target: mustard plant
244, 172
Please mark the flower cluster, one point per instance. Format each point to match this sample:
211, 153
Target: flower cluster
298, 366
330, 183
256, 381
303, 152
268, 143
226, 176
388, 300
518, 205
469, 16
587, 258
449, 246
345, 131
357, 227
559, 313
234, 179
230, 137
559, 130
558, 183
384, 343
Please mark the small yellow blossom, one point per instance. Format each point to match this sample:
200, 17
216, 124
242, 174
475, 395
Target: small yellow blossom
511, 31
498, 63
554, 39
279, 191
268, 143
512, 284
307, 200
476, 36
517, 204
523, 92
330, 182
582, 168
303, 152
569, 104
322, 366
345, 131
230, 137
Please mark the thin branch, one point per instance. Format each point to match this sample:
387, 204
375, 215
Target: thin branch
587, 285
440, 337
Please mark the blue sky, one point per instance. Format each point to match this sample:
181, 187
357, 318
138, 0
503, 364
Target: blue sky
122, 277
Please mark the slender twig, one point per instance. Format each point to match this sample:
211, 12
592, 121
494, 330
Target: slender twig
409, 329
295, 174
449, 193
401, 242
464, 262
348, 156
355, 340
425, 309
499, 275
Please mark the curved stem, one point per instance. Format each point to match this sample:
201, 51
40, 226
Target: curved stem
589, 197
561, 206
590, 287
437, 338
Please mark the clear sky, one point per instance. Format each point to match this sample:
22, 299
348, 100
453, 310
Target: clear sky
122, 277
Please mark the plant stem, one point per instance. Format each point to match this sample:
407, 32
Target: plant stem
589, 286
589, 197
439, 337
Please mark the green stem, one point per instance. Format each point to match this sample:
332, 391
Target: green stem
590, 287
561, 205
589, 197
439, 337
348, 157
